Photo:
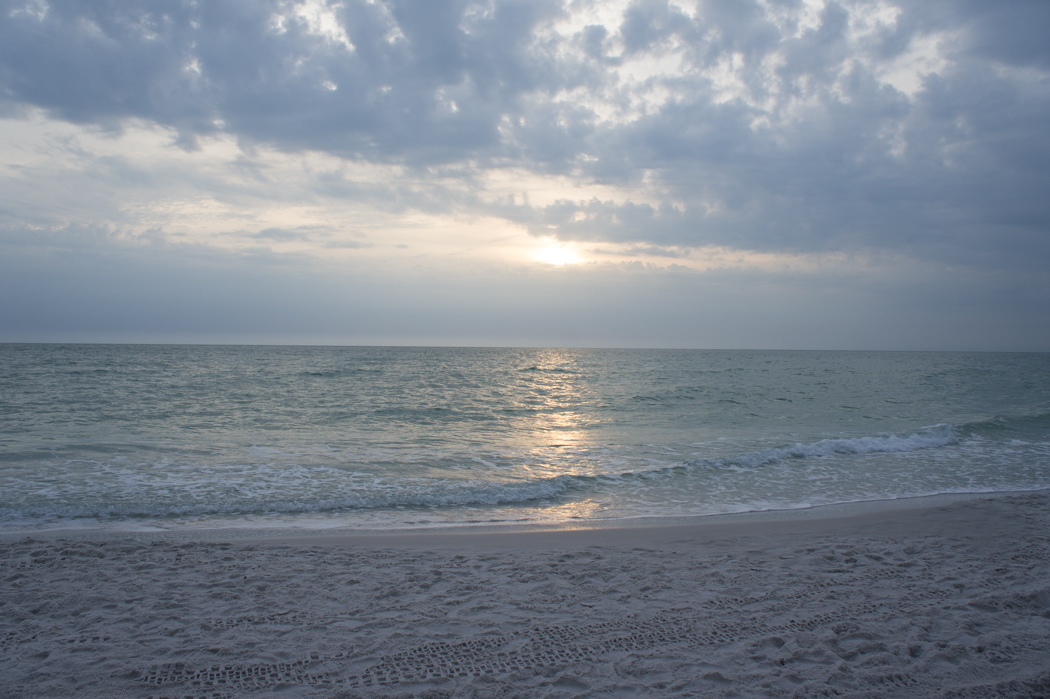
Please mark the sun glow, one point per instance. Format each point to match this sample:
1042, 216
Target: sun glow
558, 255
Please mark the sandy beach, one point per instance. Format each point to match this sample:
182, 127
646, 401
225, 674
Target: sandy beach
922, 598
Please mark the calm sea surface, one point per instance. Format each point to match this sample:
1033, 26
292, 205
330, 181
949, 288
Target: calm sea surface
170, 437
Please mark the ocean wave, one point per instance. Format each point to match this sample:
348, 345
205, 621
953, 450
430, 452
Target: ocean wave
474, 493
1009, 425
548, 370
931, 437
325, 489
336, 373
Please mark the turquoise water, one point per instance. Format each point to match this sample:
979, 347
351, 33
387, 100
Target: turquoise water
145, 437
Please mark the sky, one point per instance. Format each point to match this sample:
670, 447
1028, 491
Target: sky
793, 174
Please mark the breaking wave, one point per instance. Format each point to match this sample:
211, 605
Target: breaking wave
446, 493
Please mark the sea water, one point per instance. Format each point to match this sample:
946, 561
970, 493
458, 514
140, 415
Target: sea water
175, 437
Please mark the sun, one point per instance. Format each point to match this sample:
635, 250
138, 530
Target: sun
558, 255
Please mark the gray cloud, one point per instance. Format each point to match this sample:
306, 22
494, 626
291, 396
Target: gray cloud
642, 251
435, 82
740, 125
297, 233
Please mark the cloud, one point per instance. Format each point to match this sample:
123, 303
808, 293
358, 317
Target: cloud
456, 82
908, 129
643, 251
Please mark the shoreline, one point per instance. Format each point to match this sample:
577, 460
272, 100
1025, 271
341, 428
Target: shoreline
752, 520
797, 520
935, 597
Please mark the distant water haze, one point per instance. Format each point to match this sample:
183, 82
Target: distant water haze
144, 437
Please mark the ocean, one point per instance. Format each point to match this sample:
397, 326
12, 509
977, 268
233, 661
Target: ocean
163, 437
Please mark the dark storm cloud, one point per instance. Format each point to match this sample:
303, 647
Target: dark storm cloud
816, 151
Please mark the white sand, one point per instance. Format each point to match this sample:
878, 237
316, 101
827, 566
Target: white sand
924, 600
